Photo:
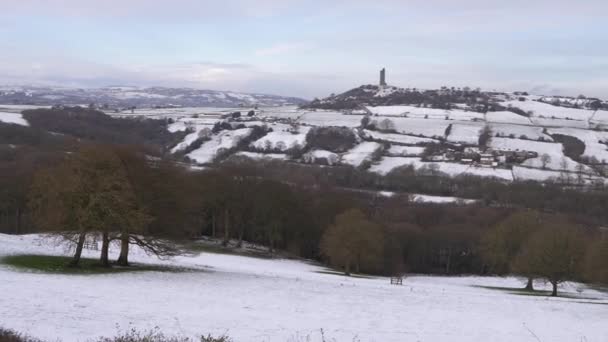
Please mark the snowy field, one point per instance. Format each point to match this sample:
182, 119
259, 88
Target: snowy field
254, 299
330, 118
540, 109
507, 117
519, 131
360, 153
13, 118
262, 156
281, 140
388, 164
421, 112
422, 127
466, 133
221, 142
592, 140
18, 108
558, 161
398, 138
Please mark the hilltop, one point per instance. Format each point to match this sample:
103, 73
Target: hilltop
443, 98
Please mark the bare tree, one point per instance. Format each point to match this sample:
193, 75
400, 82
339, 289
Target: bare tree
353, 240
554, 253
504, 242
545, 159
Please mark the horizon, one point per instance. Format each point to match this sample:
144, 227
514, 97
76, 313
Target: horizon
306, 49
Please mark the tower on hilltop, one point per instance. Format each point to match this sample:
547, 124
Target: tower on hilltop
383, 77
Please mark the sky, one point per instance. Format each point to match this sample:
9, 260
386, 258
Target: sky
307, 48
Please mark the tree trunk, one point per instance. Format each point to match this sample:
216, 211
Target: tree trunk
530, 285
226, 228
240, 243
18, 221
123, 258
270, 245
554, 292
347, 268
105, 246
358, 265
78, 253
447, 266
213, 225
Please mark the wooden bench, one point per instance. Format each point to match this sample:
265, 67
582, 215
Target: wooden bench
397, 280
91, 245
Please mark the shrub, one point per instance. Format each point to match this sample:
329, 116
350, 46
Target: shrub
335, 139
12, 336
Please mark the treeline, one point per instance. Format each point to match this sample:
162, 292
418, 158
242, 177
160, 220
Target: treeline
93, 125
587, 204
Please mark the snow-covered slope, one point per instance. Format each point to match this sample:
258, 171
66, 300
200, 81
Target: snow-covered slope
13, 118
277, 300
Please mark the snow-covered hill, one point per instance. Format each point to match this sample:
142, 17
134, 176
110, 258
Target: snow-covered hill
521, 144
120, 97
530, 137
277, 300
443, 98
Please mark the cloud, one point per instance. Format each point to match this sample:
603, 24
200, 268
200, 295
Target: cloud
306, 47
159, 10
281, 49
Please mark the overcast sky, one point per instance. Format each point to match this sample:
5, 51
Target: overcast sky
307, 48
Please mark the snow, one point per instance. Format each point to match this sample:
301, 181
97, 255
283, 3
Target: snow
286, 112
13, 118
405, 151
517, 131
281, 140
261, 156
507, 117
398, 138
330, 118
19, 108
329, 157
558, 161
422, 112
421, 127
360, 153
593, 147
276, 300
387, 164
440, 199
526, 173
223, 141
323, 154
541, 109
600, 118
465, 133
549, 122
386, 91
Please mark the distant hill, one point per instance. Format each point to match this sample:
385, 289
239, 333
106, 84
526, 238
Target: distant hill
121, 97
443, 98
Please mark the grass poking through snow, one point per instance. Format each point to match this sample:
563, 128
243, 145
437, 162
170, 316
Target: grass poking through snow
60, 265
539, 293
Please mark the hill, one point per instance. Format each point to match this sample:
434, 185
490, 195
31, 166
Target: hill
118, 97
443, 98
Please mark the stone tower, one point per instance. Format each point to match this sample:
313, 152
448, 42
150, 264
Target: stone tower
383, 77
